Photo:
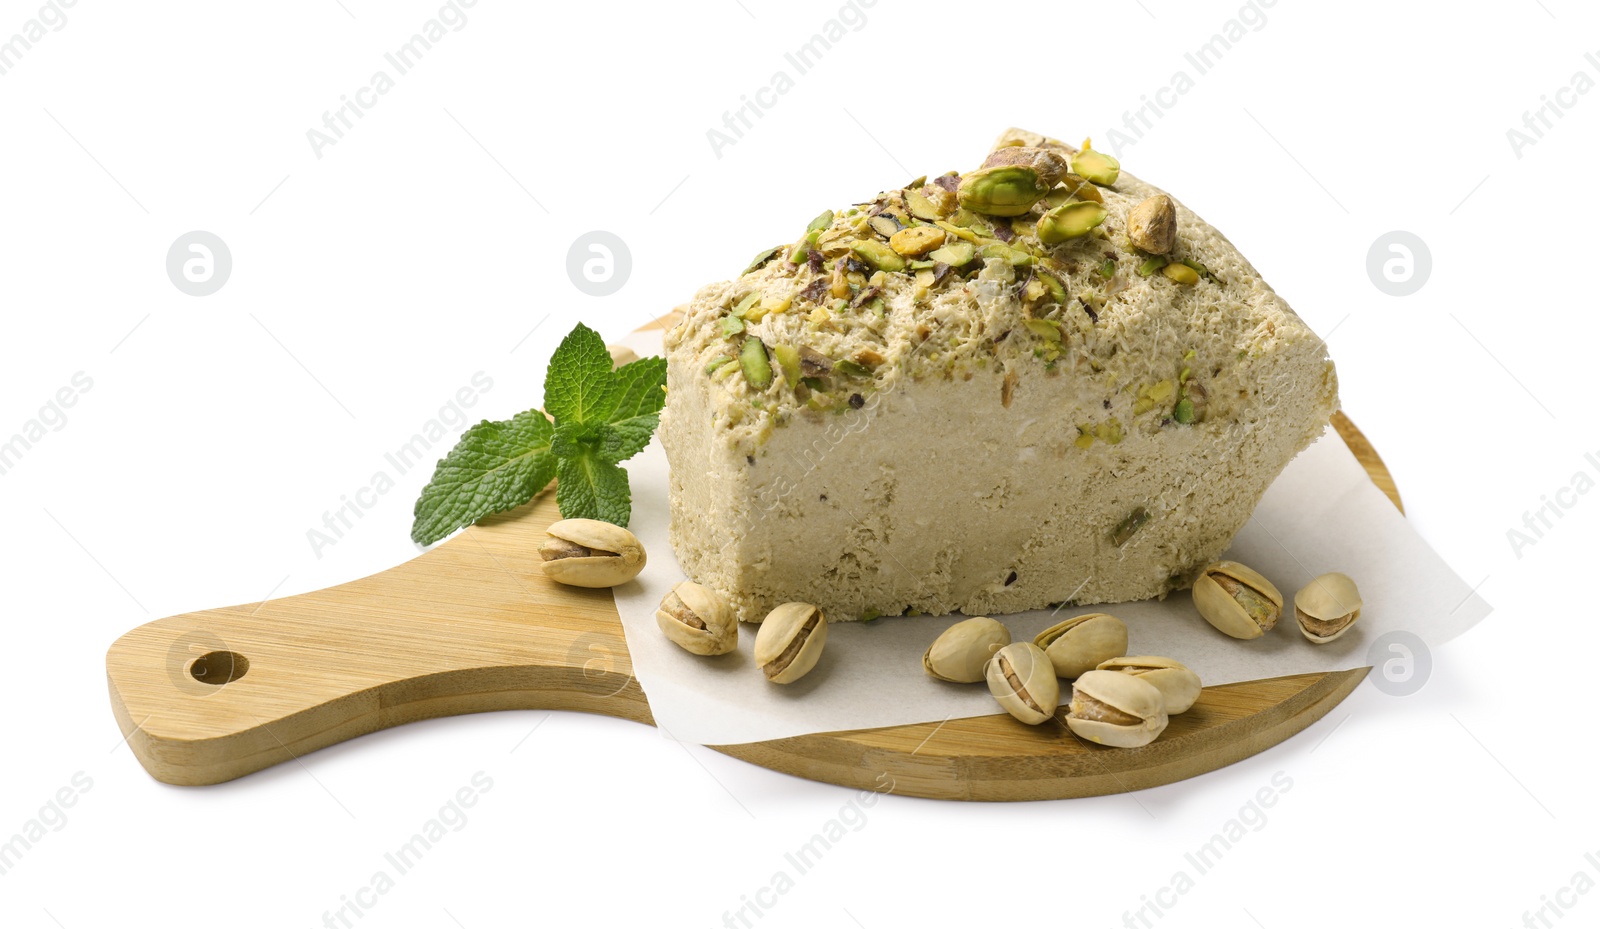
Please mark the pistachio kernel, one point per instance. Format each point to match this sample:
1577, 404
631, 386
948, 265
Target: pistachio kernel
1004, 190
753, 359
878, 255
1069, 221
1181, 273
1096, 166
916, 241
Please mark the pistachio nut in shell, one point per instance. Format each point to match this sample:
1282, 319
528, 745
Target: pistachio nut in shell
1237, 600
1153, 224
621, 355
1179, 686
1022, 679
1327, 607
1120, 710
590, 553
1049, 165
699, 619
1079, 644
790, 641
960, 653
1004, 190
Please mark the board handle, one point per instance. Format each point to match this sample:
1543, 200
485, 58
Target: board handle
467, 627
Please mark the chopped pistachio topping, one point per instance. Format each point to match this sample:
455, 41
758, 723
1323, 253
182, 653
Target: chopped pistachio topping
753, 359
761, 259
1181, 273
954, 254
1069, 221
878, 255
1096, 166
1130, 525
1152, 265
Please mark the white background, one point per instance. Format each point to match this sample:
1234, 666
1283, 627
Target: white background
371, 283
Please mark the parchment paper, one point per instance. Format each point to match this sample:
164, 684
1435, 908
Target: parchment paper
1322, 514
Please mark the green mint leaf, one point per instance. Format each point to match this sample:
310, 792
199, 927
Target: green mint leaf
620, 441
610, 442
640, 390
590, 488
574, 440
579, 386
495, 466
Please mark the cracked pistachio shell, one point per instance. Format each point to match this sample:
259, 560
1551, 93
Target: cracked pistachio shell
1078, 644
1179, 686
1003, 190
790, 641
1048, 165
699, 619
1237, 600
1153, 224
590, 553
1021, 678
621, 355
960, 653
1120, 710
1327, 607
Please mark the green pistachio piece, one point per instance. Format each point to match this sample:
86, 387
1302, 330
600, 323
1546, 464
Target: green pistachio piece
1108, 268
823, 221
1181, 273
916, 241
1069, 221
731, 326
1003, 190
1047, 329
1151, 266
753, 359
789, 361
885, 224
918, 182
921, 207
1203, 271
1056, 287
1015, 257
1056, 197
1081, 189
717, 363
851, 368
954, 254
1184, 411
743, 306
762, 258
878, 255
1096, 166
1133, 523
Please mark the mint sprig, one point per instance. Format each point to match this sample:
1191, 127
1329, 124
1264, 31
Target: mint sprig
597, 418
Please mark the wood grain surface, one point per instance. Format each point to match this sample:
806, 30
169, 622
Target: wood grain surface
472, 625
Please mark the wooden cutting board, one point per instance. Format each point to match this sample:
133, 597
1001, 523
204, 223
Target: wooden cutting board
472, 625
